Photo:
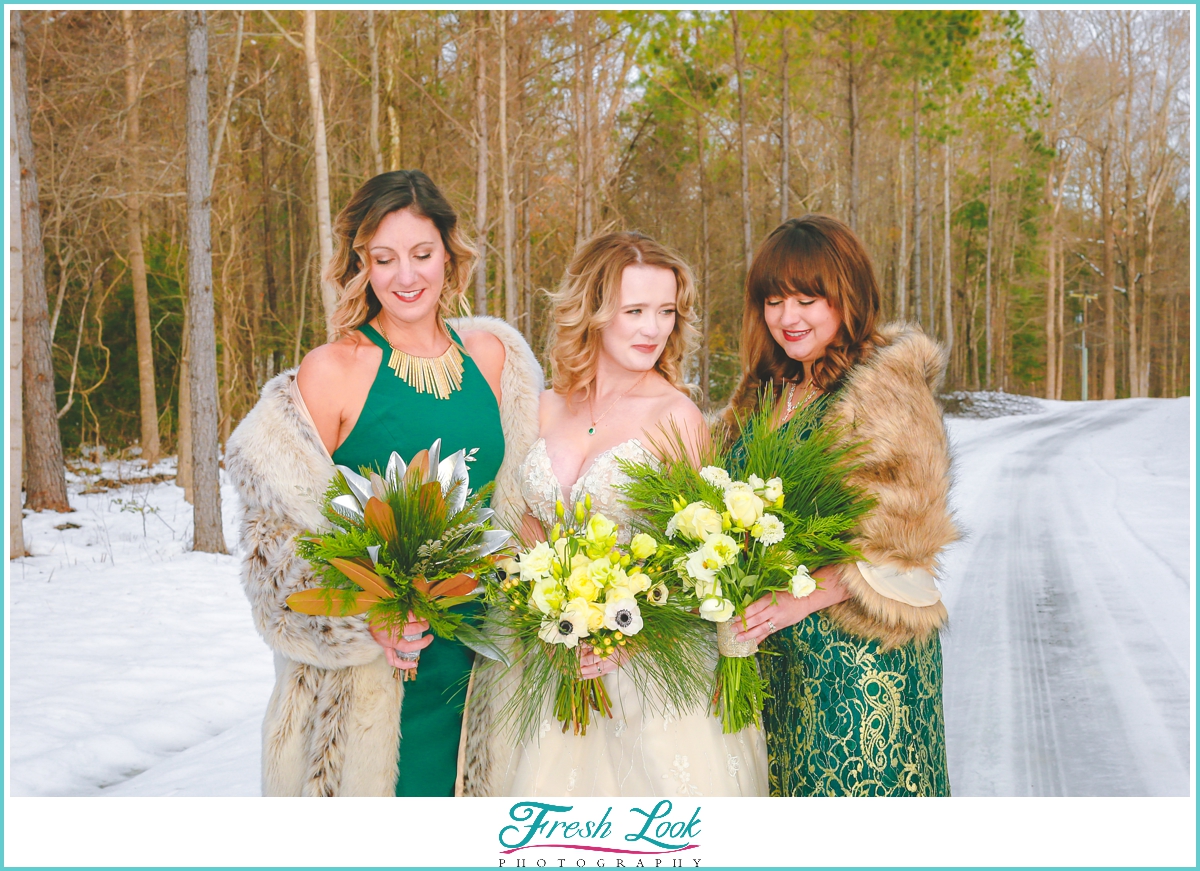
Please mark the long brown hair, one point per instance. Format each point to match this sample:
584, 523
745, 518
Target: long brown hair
587, 301
814, 256
355, 226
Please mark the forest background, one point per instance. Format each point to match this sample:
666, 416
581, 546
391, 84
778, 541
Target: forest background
1020, 179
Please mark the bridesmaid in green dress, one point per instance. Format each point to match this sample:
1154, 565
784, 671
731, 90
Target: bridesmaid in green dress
396, 378
856, 688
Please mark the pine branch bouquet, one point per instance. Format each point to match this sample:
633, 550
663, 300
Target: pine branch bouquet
731, 541
411, 540
580, 589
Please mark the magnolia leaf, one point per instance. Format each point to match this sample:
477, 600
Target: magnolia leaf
347, 506
493, 540
319, 602
459, 585
418, 468
378, 487
359, 486
396, 468
380, 519
431, 500
421, 585
364, 577
450, 601
435, 453
480, 643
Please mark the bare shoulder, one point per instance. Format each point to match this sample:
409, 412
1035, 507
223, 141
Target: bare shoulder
678, 407
551, 407
326, 369
486, 350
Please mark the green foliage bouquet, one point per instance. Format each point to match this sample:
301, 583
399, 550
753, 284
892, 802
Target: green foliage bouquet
731, 541
580, 589
412, 540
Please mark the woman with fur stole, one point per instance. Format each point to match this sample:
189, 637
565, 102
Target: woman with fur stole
856, 690
335, 721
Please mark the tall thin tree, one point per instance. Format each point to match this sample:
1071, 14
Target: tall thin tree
481, 163
45, 483
137, 257
207, 531
740, 69
16, 526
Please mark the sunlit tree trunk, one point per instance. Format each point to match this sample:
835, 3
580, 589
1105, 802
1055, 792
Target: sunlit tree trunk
506, 203
481, 163
16, 528
137, 257
747, 238
207, 531
321, 162
947, 261
373, 47
785, 129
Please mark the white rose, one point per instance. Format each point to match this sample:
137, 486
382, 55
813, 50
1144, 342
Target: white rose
536, 563
744, 505
716, 476
705, 589
802, 583
697, 521
638, 582
757, 484
774, 490
768, 529
716, 609
642, 546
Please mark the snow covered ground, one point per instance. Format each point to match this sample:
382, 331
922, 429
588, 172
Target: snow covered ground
134, 667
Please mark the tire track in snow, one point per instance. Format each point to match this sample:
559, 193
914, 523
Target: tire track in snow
1038, 702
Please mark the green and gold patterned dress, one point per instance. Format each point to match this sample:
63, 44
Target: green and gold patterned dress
396, 417
845, 718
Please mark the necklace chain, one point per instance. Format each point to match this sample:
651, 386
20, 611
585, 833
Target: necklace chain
591, 404
791, 404
440, 375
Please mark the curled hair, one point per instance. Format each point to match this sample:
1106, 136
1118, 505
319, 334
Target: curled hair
356, 225
587, 301
813, 256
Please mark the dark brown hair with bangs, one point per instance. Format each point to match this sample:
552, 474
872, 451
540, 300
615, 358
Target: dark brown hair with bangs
815, 256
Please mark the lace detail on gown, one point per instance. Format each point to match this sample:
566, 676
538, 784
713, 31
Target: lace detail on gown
638, 752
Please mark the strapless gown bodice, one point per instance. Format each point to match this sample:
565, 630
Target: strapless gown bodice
639, 751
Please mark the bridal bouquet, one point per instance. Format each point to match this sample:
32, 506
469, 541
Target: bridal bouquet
582, 590
731, 541
411, 540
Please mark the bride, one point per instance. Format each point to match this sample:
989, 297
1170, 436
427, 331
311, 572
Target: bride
622, 322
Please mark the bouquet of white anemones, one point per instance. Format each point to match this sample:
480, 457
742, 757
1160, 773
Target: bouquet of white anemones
581, 590
731, 541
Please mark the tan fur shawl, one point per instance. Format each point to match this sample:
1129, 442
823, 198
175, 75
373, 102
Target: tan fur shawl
332, 723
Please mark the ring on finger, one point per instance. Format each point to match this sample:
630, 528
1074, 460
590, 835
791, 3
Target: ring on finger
771, 626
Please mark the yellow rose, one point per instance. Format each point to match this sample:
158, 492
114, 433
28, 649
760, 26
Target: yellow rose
638, 582
581, 583
548, 595
642, 546
744, 505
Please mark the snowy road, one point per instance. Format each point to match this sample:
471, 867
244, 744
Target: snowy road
134, 667
1068, 659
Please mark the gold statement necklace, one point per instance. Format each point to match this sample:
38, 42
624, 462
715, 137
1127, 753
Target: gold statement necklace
440, 375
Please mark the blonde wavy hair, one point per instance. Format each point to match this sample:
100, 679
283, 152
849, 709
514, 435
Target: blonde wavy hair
587, 301
355, 226
814, 256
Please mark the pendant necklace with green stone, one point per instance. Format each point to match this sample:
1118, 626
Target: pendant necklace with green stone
591, 404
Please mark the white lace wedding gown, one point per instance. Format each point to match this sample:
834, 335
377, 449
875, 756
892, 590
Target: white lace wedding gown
637, 752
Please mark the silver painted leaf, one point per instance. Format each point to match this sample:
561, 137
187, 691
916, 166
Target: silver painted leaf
435, 456
493, 540
396, 468
373, 553
348, 507
359, 485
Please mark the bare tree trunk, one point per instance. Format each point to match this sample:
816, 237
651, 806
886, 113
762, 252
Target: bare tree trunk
46, 484
577, 106
987, 296
855, 125
947, 261
506, 203
481, 163
137, 257
918, 290
747, 239
321, 161
1109, 293
183, 468
208, 535
902, 258
16, 300
1052, 338
785, 131
373, 46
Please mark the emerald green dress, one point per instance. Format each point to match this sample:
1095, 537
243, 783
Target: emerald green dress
845, 718
397, 418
